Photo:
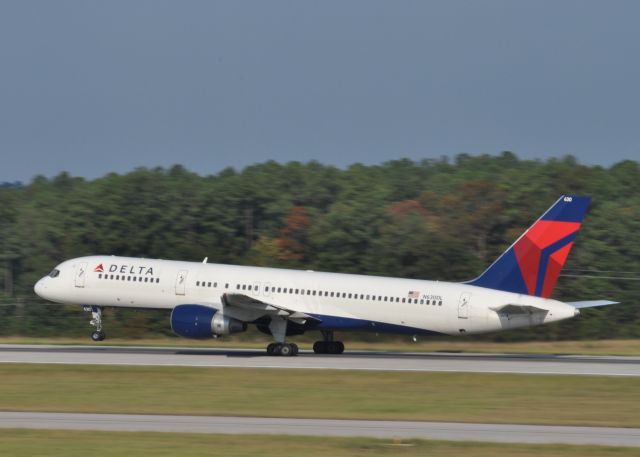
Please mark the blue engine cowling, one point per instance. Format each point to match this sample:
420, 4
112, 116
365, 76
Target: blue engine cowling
197, 321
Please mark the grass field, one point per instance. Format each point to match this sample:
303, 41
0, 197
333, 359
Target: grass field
496, 398
586, 347
54, 443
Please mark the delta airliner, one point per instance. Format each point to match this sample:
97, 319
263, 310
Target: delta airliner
209, 300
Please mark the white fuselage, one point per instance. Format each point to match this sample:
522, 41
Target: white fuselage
340, 301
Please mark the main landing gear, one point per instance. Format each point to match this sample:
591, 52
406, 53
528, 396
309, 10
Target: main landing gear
284, 349
327, 345
96, 321
278, 328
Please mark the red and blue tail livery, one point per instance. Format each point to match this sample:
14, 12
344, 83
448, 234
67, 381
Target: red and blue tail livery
533, 263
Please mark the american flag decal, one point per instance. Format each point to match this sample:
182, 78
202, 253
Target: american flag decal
414, 294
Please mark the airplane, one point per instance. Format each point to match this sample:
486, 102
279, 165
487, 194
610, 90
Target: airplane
211, 300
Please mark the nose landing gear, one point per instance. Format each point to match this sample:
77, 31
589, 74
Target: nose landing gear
96, 321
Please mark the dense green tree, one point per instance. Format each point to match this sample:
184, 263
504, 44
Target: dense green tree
444, 219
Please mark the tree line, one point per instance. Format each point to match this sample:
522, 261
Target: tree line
444, 219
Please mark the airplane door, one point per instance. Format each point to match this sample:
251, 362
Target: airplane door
181, 282
464, 305
81, 274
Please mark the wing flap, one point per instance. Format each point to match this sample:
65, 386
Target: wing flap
246, 302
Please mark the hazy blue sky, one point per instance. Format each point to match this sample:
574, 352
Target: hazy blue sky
96, 86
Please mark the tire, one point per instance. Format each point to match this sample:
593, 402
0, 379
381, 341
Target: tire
319, 347
339, 347
286, 350
97, 336
295, 349
271, 349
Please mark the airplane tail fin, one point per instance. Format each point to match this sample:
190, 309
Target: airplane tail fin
532, 264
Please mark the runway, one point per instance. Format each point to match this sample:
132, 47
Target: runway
320, 427
351, 360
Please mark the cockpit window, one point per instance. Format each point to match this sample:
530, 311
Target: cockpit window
54, 273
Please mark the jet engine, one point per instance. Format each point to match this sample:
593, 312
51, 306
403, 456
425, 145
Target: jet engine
197, 321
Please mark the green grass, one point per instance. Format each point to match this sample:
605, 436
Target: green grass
54, 443
496, 398
629, 347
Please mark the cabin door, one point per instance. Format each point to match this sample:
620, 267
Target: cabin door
181, 282
81, 274
464, 305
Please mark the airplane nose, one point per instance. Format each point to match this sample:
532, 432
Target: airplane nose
39, 288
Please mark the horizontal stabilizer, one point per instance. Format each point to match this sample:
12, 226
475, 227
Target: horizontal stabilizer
518, 309
591, 303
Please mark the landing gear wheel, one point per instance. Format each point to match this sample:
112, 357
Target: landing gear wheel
283, 349
289, 349
328, 347
319, 347
98, 336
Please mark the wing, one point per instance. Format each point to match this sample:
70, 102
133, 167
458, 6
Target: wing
247, 303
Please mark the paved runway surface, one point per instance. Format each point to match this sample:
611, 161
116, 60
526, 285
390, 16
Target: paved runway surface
321, 427
387, 361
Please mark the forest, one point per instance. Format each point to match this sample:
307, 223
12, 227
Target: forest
443, 219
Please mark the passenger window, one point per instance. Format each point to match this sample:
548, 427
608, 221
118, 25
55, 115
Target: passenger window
157, 280
440, 303
308, 292
197, 283
215, 284
403, 300
296, 291
99, 275
279, 289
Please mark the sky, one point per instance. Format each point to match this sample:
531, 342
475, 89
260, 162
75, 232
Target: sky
91, 87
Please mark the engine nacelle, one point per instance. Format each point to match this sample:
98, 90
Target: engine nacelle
197, 321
